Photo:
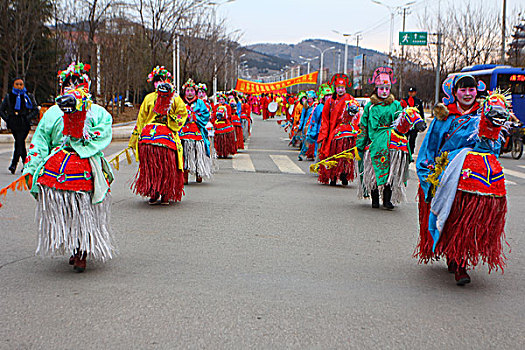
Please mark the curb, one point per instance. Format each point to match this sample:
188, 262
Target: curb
120, 131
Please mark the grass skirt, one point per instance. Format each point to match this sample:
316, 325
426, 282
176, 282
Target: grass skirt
239, 136
474, 232
196, 161
158, 173
424, 247
213, 154
68, 221
344, 165
225, 144
398, 175
246, 129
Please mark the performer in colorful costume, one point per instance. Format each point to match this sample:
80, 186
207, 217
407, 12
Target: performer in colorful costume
156, 142
374, 139
296, 118
70, 177
202, 90
330, 119
462, 203
344, 138
246, 119
325, 91
236, 122
225, 143
304, 125
194, 136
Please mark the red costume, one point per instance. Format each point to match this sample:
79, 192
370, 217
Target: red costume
224, 139
264, 107
330, 119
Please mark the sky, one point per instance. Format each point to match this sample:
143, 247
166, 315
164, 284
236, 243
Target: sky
291, 21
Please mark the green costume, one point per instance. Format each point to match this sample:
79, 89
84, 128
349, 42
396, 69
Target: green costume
375, 128
48, 140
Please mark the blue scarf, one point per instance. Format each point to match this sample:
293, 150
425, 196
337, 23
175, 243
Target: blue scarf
19, 93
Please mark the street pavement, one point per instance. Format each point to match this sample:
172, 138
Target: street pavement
261, 257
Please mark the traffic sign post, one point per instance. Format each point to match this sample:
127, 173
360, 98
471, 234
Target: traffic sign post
413, 38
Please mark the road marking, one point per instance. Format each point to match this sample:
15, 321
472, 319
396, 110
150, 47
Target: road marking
274, 150
514, 173
285, 164
243, 162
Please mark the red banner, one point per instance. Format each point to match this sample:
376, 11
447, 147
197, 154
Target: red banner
250, 87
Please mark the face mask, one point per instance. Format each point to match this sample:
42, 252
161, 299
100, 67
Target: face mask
383, 91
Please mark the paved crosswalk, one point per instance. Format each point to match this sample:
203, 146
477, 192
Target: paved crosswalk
286, 164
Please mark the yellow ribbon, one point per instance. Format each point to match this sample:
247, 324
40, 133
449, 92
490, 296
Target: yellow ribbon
116, 160
333, 160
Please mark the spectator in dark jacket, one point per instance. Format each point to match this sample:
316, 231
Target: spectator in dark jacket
413, 101
17, 110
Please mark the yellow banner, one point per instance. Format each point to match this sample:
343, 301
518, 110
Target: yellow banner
250, 87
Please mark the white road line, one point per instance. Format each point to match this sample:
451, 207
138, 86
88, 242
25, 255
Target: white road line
243, 162
514, 173
285, 164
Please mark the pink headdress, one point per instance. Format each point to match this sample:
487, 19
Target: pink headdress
383, 76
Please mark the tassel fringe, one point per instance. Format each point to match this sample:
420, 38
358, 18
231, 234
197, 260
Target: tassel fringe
68, 221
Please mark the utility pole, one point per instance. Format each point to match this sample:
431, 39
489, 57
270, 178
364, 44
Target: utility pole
402, 58
438, 67
503, 24
339, 61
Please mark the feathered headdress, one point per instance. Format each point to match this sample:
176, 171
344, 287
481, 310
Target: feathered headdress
160, 71
202, 86
75, 69
188, 84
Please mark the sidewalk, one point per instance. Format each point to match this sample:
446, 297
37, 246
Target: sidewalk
120, 132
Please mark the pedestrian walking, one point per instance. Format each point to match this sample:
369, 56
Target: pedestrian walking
18, 109
413, 101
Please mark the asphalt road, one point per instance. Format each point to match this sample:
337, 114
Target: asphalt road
262, 258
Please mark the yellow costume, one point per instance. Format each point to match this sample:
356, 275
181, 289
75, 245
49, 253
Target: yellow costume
174, 121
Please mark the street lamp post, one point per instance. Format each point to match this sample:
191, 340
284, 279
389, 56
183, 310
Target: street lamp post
308, 60
322, 58
393, 10
346, 36
215, 5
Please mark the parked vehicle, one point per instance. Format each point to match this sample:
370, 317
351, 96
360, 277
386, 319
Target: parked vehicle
514, 135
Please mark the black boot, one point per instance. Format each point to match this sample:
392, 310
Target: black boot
344, 180
375, 198
387, 196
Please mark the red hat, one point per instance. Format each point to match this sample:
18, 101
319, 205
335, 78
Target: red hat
340, 79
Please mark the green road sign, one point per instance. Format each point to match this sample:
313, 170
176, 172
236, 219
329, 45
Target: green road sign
413, 38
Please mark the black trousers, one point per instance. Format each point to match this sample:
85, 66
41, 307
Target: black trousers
20, 146
412, 134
